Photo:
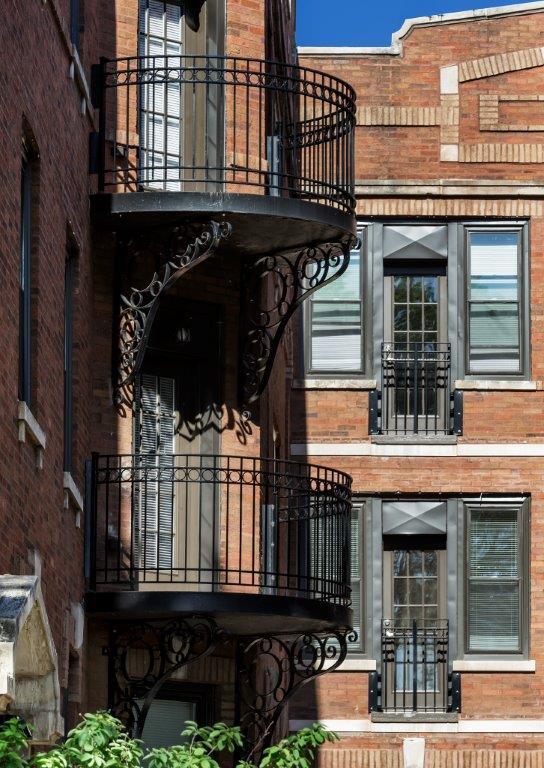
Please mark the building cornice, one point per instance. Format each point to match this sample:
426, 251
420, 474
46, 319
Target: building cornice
409, 25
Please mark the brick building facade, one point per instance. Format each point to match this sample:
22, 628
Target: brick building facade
175, 498
448, 179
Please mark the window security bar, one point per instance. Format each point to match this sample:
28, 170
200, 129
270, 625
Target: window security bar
416, 396
414, 674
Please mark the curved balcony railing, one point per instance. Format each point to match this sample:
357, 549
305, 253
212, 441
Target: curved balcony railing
219, 524
208, 124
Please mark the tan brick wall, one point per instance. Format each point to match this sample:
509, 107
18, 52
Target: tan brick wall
460, 103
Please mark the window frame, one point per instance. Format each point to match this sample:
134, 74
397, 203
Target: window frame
26, 340
522, 506
309, 370
70, 278
521, 228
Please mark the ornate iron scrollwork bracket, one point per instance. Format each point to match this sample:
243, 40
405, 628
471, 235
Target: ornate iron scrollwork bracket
180, 248
142, 656
270, 670
274, 287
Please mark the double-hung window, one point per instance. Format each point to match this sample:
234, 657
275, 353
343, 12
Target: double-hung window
495, 305
357, 585
335, 323
496, 578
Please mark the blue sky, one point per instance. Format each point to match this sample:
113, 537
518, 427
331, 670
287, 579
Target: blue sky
367, 22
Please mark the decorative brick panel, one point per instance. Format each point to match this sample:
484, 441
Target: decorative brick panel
501, 63
385, 115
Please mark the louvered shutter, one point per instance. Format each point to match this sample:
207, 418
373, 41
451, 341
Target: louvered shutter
161, 109
336, 322
494, 586
356, 577
494, 304
154, 445
165, 721
325, 534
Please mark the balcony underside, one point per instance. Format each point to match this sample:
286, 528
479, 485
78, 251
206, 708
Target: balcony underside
260, 224
240, 614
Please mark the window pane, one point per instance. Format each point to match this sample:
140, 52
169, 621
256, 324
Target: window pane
165, 721
336, 337
494, 337
493, 571
494, 308
348, 286
494, 266
336, 322
494, 544
493, 616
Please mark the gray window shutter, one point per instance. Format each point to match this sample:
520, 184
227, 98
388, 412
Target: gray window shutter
155, 419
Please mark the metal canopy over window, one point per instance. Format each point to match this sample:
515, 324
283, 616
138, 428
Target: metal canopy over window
414, 518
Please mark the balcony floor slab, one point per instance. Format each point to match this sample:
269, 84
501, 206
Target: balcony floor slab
238, 613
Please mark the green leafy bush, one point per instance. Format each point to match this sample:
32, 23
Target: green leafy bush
101, 741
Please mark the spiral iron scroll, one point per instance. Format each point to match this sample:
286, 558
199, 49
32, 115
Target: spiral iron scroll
288, 280
271, 669
142, 656
181, 249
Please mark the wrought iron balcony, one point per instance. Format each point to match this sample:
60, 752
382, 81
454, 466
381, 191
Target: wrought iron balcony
219, 526
414, 675
224, 124
416, 396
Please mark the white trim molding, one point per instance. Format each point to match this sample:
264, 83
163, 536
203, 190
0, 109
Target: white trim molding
72, 497
516, 726
494, 665
517, 450
497, 385
316, 383
30, 431
395, 49
354, 665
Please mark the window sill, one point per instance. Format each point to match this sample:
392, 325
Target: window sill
354, 665
338, 383
494, 665
72, 497
413, 439
77, 74
491, 385
30, 431
414, 717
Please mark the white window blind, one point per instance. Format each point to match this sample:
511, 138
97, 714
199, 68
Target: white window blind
161, 103
155, 420
336, 323
494, 580
494, 302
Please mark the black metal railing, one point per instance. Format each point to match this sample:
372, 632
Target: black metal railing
414, 674
218, 523
416, 395
205, 123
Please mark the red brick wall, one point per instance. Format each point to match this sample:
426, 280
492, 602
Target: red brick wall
36, 88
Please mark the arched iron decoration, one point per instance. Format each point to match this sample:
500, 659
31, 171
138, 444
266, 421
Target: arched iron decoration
142, 656
179, 248
271, 669
274, 287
